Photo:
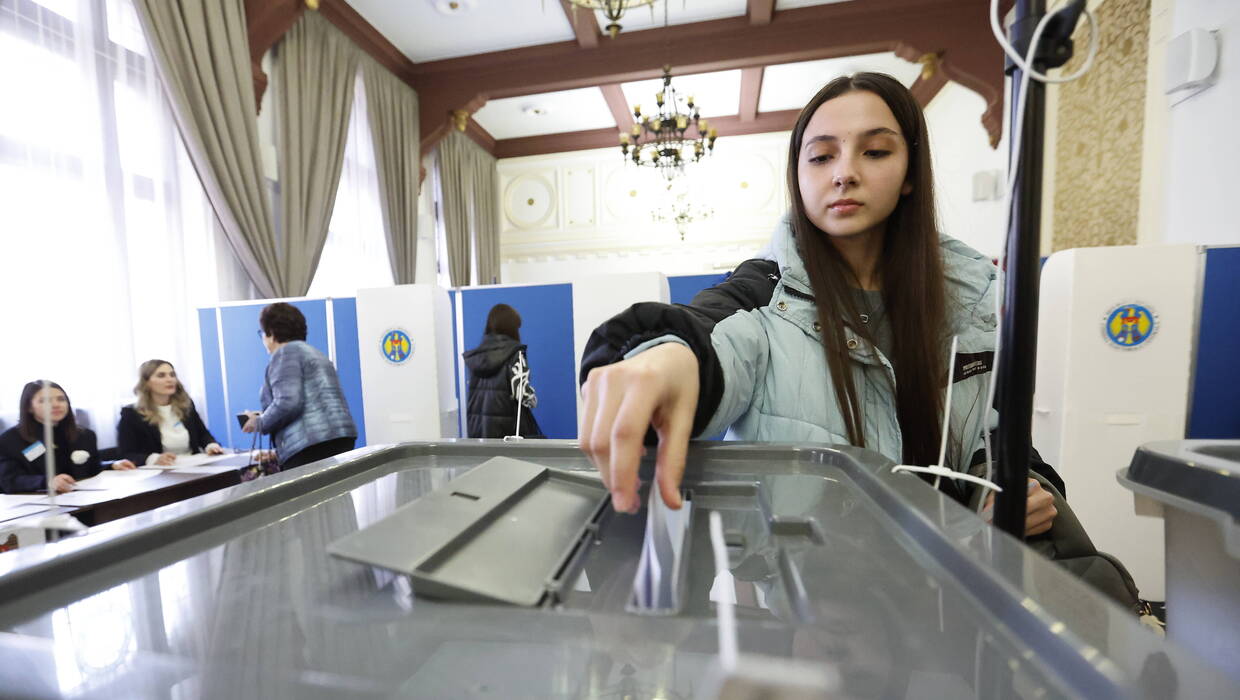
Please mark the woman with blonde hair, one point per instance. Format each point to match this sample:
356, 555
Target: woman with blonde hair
163, 422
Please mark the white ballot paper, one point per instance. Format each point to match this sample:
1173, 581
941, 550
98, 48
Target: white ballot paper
656, 587
111, 479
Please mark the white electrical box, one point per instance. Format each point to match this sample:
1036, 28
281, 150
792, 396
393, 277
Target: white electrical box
1191, 60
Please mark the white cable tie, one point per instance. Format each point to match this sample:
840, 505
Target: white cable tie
938, 471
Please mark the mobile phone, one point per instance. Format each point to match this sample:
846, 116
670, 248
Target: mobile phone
242, 418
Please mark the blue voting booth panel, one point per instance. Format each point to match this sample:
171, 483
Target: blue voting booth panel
683, 288
348, 364
212, 374
1215, 412
547, 329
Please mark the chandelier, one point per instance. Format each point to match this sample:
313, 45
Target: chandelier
613, 10
681, 212
671, 137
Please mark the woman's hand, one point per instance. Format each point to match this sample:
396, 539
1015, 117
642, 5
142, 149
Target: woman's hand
165, 459
63, 483
1040, 509
214, 449
657, 388
251, 424
123, 465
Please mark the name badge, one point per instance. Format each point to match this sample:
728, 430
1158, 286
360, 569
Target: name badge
34, 452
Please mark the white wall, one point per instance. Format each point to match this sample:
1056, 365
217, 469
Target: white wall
1203, 142
960, 147
562, 214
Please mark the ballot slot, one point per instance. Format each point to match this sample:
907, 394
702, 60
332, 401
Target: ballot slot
658, 583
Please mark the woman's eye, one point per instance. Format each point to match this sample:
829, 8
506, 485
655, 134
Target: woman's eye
820, 158
875, 153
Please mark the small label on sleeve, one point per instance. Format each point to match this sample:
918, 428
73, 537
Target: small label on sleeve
971, 364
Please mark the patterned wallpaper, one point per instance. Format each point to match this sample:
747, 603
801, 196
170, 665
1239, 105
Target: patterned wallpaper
1099, 139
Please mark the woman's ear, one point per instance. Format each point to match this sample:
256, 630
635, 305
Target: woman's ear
907, 188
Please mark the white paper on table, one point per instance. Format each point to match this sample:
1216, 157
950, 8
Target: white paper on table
205, 469
22, 510
196, 460
81, 498
13, 501
112, 478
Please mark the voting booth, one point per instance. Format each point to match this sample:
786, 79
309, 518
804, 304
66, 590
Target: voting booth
398, 349
1116, 338
405, 350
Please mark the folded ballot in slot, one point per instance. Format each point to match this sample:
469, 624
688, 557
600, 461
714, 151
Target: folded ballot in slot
507, 531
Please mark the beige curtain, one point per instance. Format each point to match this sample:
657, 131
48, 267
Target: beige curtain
456, 162
393, 108
486, 217
315, 69
201, 51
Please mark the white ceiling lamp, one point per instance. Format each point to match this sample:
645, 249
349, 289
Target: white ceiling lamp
613, 10
453, 7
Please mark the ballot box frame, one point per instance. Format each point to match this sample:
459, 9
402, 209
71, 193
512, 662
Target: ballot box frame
1033, 622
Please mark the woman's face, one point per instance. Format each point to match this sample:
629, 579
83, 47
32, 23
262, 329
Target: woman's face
163, 381
49, 404
853, 165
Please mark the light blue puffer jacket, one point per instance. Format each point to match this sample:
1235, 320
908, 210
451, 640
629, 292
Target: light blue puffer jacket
776, 385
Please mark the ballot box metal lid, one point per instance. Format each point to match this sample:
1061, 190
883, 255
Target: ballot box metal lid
834, 561
1199, 476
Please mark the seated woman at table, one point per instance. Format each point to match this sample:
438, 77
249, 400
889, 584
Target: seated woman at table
163, 422
22, 448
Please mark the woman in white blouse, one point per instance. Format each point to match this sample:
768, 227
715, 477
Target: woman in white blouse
162, 423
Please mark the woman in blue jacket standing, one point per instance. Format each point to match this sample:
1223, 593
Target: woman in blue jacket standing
304, 409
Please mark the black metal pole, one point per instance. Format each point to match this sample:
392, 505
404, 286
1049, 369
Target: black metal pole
1020, 295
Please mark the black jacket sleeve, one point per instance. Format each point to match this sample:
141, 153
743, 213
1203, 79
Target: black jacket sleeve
199, 436
16, 473
136, 438
749, 287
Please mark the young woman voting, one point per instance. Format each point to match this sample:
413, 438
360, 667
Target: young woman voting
163, 422
23, 451
839, 334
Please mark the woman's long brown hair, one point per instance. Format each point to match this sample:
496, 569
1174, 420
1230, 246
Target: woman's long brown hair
911, 271
146, 406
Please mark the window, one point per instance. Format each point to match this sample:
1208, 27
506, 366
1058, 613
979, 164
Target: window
355, 254
107, 244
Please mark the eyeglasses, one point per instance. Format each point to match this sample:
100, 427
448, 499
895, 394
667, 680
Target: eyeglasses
260, 332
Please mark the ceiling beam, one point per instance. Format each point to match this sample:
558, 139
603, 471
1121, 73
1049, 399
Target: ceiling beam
911, 28
585, 25
760, 12
928, 84
369, 39
618, 105
480, 136
751, 89
267, 21
610, 138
